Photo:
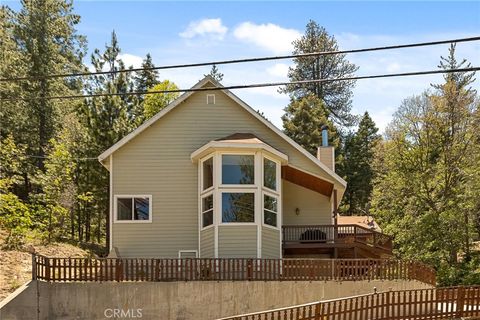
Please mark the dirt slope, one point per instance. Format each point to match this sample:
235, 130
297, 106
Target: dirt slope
16, 266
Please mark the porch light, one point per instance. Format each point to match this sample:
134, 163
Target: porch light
297, 211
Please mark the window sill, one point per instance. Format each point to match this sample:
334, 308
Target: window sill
207, 227
133, 221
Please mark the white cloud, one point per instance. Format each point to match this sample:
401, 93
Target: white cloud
131, 60
267, 36
279, 70
205, 27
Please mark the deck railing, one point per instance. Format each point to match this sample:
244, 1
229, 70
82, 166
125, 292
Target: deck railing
310, 234
205, 269
437, 303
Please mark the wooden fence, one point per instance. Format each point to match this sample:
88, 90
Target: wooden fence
131, 269
438, 303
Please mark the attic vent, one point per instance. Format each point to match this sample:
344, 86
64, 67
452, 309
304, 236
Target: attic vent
210, 99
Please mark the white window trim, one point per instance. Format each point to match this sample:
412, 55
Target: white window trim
276, 196
187, 251
237, 186
207, 194
278, 174
210, 95
115, 207
257, 189
201, 173
255, 195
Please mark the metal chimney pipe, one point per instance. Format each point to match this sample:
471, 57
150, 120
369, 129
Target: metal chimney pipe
324, 135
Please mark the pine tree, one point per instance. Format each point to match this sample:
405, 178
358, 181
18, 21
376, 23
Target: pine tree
303, 120
427, 191
215, 74
148, 77
107, 120
48, 42
358, 152
336, 95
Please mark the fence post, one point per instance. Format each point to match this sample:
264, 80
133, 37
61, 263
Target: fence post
318, 311
118, 270
460, 302
34, 266
249, 269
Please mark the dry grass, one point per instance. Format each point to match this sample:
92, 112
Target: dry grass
16, 266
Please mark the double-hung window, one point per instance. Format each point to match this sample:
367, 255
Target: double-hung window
237, 188
207, 194
270, 192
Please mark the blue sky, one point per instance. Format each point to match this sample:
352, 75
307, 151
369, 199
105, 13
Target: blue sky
185, 32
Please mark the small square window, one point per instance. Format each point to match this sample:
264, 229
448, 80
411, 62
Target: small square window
238, 207
133, 208
238, 169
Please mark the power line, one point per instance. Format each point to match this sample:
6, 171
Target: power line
45, 157
222, 62
249, 86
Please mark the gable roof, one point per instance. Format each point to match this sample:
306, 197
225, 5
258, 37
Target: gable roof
201, 84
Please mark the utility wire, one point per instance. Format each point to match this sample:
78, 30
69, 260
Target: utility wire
221, 62
249, 86
45, 157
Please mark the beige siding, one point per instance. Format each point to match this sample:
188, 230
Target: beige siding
314, 207
270, 243
157, 162
237, 241
207, 243
327, 156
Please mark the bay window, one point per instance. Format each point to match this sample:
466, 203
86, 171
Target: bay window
239, 187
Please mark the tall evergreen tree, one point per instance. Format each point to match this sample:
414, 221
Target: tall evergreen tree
303, 120
107, 119
358, 152
215, 74
336, 95
148, 77
48, 41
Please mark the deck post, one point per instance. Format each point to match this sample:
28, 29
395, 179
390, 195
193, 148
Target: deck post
34, 266
335, 223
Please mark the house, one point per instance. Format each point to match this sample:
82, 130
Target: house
364, 221
209, 177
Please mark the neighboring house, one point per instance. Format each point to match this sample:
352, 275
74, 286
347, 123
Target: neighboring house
364, 221
209, 177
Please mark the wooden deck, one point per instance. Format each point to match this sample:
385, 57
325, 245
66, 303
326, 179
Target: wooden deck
305, 239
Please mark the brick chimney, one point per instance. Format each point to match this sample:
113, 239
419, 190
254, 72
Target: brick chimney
326, 153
